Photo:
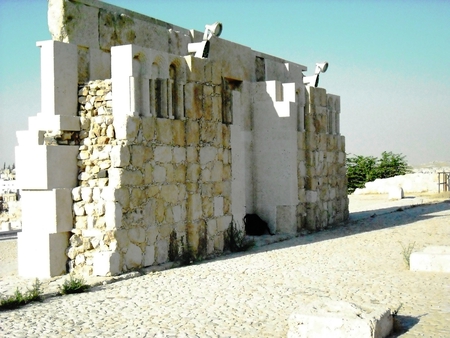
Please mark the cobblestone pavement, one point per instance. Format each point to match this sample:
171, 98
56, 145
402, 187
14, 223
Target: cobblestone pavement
252, 294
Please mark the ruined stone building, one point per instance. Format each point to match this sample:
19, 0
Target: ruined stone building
140, 143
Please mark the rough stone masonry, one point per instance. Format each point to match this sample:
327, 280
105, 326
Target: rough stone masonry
140, 145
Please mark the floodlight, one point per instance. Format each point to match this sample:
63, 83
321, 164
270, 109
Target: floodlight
321, 67
313, 80
201, 49
210, 30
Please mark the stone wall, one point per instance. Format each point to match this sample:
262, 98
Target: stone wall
166, 180
323, 184
142, 150
410, 183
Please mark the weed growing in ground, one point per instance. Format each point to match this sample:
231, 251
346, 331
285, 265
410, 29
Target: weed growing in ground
395, 317
13, 301
35, 293
406, 252
73, 285
235, 239
19, 299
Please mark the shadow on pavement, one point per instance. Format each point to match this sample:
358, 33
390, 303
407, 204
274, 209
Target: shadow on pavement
402, 324
358, 223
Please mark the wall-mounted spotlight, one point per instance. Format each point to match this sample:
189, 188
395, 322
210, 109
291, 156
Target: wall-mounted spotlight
313, 80
210, 30
201, 49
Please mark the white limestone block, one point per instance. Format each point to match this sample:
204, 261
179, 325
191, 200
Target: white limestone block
120, 156
30, 137
99, 64
395, 193
235, 59
289, 92
133, 257
128, 95
241, 184
223, 223
286, 219
126, 127
163, 154
113, 215
53, 122
59, 78
275, 90
162, 251
81, 29
46, 167
91, 232
137, 235
6, 226
431, 259
285, 108
42, 255
218, 206
207, 154
216, 172
311, 196
177, 213
106, 263
179, 155
149, 255
47, 211
159, 174
339, 319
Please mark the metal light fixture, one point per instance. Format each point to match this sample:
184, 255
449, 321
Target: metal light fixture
313, 80
201, 49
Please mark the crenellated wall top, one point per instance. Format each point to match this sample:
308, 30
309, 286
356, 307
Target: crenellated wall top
98, 25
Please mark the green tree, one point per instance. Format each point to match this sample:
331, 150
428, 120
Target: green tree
360, 169
363, 169
390, 165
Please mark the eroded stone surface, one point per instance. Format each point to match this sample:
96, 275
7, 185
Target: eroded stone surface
328, 318
431, 259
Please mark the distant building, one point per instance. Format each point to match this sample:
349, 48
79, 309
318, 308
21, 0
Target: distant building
9, 197
7, 174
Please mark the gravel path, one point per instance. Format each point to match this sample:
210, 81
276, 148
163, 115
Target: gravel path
253, 294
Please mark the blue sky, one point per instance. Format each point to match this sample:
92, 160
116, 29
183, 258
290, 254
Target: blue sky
388, 60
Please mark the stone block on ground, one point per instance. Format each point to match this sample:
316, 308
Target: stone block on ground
431, 259
396, 193
42, 255
106, 263
339, 319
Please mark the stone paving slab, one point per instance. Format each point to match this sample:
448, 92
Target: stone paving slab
253, 294
325, 318
432, 258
